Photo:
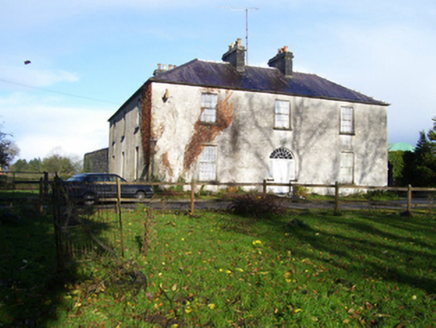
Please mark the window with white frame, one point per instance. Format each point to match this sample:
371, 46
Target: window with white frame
347, 120
207, 163
282, 115
346, 174
208, 107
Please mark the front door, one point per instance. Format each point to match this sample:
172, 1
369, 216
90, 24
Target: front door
282, 166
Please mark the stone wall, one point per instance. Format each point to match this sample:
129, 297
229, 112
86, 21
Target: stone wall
96, 161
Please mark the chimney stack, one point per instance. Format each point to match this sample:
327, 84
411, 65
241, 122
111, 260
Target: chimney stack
236, 56
283, 61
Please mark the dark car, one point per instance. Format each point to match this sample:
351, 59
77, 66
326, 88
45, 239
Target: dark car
90, 187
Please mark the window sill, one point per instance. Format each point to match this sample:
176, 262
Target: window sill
209, 182
347, 134
282, 129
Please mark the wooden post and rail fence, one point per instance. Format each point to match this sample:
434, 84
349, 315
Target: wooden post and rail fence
337, 187
43, 183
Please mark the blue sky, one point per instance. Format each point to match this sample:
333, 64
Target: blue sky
89, 56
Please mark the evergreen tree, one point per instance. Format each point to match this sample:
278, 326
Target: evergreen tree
420, 166
432, 132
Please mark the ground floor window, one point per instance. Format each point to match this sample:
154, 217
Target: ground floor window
346, 174
207, 163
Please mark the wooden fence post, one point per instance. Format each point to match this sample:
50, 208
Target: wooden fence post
45, 184
336, 197
409, 198
57, 223
119, 215
41, 196
13, 180
192, 196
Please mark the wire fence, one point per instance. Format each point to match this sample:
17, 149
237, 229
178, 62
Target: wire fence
84, 232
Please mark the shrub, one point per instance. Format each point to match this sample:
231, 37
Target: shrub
380, 195
300, 191
257, 206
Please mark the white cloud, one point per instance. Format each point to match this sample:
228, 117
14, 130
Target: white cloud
38, 126
35, 77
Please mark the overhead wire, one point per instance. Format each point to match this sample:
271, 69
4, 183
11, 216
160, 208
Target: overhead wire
58, 92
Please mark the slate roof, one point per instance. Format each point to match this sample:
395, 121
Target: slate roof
260, 79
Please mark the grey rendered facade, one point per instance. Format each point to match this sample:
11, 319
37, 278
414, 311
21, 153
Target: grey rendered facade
229, 122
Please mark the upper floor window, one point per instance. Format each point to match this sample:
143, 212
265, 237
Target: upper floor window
138, 116
208, 107
282, 115
347, 120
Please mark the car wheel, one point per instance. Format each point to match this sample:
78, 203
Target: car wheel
140, 195
88, 199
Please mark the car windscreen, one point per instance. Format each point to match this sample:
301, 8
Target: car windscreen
73, 178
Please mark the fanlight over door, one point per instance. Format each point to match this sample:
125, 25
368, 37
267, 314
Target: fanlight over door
282, 169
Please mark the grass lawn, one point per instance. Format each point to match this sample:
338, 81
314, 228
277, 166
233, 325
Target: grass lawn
303, 269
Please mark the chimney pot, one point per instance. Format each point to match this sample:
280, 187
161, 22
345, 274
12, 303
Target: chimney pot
170, 66
159, 69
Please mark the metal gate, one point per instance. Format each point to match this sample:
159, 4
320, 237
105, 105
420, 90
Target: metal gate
84, 232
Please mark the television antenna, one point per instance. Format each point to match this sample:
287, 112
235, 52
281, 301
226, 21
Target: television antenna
246, 9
